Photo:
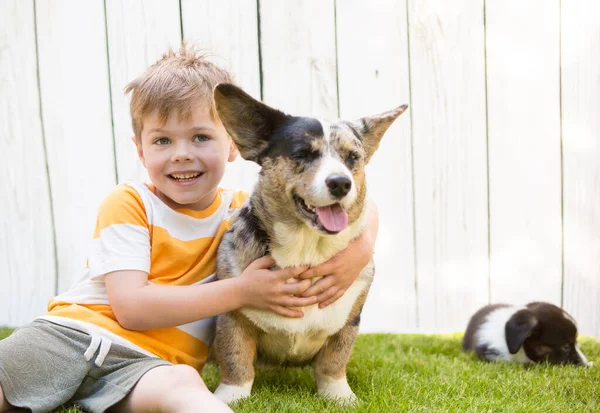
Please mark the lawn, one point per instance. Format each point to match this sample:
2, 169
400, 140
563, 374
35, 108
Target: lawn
428, 373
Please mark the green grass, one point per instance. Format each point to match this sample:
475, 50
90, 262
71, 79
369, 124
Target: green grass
427, 373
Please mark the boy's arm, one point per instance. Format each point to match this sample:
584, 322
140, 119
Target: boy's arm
138, 305
342, 270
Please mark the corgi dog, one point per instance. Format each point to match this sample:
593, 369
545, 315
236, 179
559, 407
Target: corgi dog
308, 204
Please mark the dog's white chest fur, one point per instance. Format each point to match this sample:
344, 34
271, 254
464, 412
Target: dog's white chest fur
300, 245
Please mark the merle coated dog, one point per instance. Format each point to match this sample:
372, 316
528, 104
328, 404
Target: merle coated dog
308, 204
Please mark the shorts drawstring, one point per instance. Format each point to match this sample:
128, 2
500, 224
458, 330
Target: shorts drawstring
104, 345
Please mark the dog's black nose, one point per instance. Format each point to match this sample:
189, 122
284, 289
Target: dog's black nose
338, 186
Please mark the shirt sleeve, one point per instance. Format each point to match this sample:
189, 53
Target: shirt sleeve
122, 236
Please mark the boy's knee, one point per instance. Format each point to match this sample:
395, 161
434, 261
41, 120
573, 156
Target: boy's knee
183, 376
185, 391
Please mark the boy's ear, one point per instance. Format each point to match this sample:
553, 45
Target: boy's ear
140, 152
372, 128
249, 122
233, 152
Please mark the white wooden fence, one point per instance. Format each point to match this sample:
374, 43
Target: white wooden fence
488, 188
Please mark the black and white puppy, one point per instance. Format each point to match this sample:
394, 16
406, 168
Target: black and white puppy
539, 332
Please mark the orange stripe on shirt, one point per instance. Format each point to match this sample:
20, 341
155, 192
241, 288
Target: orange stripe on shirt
178, 262
239, 198
123, 205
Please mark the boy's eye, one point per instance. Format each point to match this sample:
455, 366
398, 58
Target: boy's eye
162, 141
200, 138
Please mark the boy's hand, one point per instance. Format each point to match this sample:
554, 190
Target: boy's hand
343, 269
268, 290
338, 272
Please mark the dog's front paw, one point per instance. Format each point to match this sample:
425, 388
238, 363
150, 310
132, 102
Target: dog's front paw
338, 390
229, 393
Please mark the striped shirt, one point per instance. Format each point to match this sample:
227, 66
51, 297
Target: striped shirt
135, 230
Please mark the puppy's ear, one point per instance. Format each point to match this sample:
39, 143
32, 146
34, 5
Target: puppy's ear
372, 128
518, 328
248, 121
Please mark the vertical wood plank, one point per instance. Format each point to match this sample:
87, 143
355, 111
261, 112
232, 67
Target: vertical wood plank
524, 150
28, 271
76, 115
581, 161
449, 126
139, 32
229, 30
299, 57
373, 82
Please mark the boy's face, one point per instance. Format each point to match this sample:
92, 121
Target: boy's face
185, 158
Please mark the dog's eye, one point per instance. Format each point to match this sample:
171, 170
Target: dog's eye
352, 158
566, 347
305, 155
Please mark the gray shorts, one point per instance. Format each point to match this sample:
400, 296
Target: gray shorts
42, 367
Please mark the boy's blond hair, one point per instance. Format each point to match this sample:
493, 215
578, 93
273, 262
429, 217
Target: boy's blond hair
175, 84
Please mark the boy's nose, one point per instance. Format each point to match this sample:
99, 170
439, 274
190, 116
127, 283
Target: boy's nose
182, 153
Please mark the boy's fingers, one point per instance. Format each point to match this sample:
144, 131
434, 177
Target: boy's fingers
292, 301
319, 287
295, 288
332, 300
310, 273
290, 272
263, 262
286, 312
329, 293
320, 270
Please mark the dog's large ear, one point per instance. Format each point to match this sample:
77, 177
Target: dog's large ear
372, 128
518, 328
248, 121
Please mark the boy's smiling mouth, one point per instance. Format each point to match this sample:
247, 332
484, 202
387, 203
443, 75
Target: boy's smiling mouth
185, 177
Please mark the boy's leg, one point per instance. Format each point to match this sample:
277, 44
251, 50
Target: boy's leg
4, 405
177, 388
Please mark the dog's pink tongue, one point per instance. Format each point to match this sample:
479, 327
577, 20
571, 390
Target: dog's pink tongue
333, 217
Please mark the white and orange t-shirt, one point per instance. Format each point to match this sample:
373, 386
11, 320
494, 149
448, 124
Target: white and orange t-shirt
135, 230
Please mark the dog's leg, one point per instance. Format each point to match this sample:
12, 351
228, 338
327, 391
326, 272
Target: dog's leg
330, 365
235, 351
331, 360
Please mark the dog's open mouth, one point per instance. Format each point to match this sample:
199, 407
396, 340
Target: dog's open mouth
331, 218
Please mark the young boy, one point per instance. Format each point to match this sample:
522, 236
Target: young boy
133, 334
